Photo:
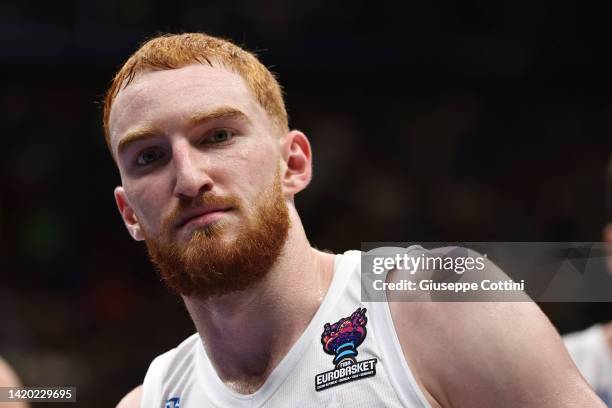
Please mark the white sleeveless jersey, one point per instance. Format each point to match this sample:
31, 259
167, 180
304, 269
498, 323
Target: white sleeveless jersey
348, 356
591, 353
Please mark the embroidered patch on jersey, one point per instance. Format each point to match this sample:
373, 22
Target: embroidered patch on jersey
341, 340
173, 403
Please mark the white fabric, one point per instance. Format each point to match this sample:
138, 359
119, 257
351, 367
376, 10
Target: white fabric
591, 354
187, 374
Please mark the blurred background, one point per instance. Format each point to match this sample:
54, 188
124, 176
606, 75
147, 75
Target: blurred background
430, 121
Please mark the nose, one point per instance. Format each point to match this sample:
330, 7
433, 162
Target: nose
192, 177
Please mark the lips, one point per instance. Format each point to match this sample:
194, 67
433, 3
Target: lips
201, 215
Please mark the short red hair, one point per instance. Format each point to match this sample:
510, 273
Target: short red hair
173, 51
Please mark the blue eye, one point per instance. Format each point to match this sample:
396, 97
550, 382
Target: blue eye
219, 136
149, 156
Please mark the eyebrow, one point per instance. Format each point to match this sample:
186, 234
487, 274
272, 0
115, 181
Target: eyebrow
218, 113
148, 132
141, 133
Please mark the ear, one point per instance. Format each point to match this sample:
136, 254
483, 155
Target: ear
297, 158
127, 213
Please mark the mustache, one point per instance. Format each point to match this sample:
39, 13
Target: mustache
201, 200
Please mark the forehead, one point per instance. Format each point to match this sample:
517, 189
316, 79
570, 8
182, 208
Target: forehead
166, 99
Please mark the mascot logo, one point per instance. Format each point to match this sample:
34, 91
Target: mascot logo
341, 340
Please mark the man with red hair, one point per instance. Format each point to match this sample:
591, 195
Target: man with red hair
209, 171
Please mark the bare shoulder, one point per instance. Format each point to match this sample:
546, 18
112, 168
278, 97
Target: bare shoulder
488, 354
8, 377
132, 399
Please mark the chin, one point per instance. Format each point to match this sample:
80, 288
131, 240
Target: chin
216, 230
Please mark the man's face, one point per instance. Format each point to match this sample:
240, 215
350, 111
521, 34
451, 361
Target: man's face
199, 162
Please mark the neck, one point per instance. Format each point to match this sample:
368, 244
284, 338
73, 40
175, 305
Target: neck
241, 330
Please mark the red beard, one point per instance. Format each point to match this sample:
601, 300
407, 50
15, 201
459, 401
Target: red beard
207, 265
